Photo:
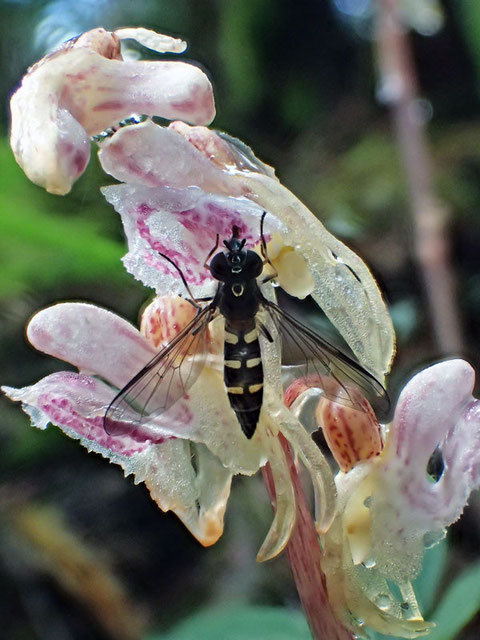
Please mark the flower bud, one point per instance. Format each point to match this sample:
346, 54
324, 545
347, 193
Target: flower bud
350, 427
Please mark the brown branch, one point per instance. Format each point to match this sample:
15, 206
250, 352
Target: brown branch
430, 217
304, 554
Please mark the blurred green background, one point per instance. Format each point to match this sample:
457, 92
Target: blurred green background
85, 554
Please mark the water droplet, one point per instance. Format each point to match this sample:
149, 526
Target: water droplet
369, 563
383, 602
431, 538
367, 502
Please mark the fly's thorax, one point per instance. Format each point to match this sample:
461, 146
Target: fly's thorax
239, 301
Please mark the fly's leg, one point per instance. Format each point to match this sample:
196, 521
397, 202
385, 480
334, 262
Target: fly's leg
192, 300
205, 264
264, 331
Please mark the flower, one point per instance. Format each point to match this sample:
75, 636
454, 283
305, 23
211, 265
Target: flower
85, 87
389, 508
187, 455
168, 170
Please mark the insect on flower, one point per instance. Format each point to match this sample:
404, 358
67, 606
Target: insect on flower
239, 299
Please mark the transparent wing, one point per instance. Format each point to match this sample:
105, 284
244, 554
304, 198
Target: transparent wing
163, 380
325, 365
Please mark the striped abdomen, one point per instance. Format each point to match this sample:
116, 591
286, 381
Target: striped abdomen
243, 373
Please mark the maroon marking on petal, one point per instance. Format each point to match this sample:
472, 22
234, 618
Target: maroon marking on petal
80, 161
61, 412
75, 157
185, 106
109, 105
199, 100
144, 209
190, 225
76, 77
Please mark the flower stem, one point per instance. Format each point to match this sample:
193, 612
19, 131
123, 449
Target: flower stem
399, 89
305, 556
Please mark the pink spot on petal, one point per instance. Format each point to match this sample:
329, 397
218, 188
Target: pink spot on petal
109, 105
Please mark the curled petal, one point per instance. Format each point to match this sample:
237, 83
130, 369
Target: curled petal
285, 507
183, 225
92, 339
409, 509
314, 461
86, 87
197, 494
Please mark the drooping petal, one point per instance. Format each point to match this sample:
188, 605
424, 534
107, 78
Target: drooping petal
316, 464
92, 339
86, 87
285, 507
183, 225
198, 495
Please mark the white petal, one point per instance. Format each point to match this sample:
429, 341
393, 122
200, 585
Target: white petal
436, 408
92, 339
152, 40
150, 155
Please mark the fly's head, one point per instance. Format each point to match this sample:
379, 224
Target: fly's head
237, 263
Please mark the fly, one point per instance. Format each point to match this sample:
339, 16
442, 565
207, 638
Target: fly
239, 299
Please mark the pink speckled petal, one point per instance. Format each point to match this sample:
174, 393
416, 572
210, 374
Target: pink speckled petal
92, 339
85, 87
197, 494
182, 224
76, 403
436, 408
